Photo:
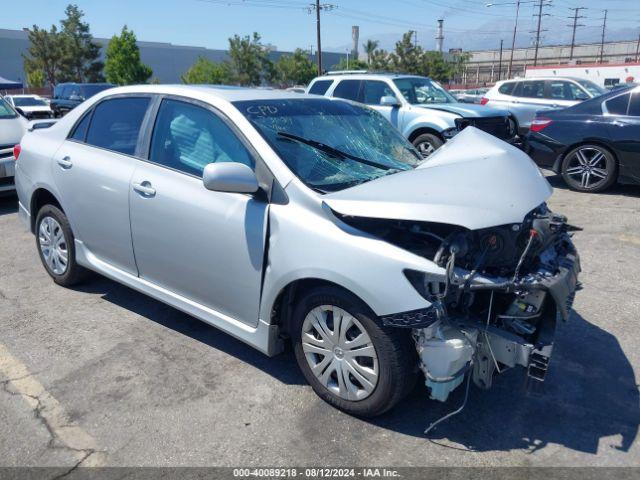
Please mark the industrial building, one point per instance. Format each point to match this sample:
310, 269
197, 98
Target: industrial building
485, 66
168, 61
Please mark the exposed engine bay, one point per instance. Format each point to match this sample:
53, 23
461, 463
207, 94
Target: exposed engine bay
497, 303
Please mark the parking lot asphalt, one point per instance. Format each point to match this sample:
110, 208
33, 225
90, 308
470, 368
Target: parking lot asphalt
103, 375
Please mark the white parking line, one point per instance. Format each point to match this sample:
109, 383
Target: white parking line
64, 433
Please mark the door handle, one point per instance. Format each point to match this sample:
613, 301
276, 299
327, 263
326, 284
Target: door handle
144, 188
65, 162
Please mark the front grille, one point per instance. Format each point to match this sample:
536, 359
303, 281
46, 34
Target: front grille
496, 126
39, 115
6, 151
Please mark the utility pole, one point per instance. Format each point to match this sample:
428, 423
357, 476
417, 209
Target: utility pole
538, 30
317, 6
500, 61
576, 16
604, 26
513, 41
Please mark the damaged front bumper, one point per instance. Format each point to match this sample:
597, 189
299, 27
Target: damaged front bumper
514, 327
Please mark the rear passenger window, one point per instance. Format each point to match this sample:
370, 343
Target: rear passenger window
618, 105
373, 91
507, 88
320, 87
533, 89
347, 89
187, 137
80, 131
116, 124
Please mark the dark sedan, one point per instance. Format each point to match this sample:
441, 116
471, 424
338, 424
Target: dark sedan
593, 144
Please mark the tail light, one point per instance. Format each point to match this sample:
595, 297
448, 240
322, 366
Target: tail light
484, 101
540, 123
16, 151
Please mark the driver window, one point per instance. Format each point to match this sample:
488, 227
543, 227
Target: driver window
187, 137
373, 91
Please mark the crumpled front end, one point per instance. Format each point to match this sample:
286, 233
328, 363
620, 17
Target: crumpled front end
497, 305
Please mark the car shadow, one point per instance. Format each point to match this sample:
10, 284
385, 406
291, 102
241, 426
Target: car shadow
590, 392
8, 203
282, 367
557, 181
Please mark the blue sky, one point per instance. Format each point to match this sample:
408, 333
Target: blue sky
287, 24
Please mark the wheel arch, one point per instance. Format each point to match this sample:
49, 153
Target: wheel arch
39, 198
420, 130
282, 308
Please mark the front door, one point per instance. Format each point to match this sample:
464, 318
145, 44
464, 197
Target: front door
372, 93
203, 245
92, 171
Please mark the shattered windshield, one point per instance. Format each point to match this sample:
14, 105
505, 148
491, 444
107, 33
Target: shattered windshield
330, 145
420, 91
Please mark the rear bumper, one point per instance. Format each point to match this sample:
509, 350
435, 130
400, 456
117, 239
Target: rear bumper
541, 151
24, 216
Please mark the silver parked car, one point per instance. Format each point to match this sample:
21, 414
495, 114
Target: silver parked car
12, 127
423, 111
277, 217
524, 97
30, 106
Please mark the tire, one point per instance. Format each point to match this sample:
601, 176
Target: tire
589, 168
393, 350
53, 224
427, 143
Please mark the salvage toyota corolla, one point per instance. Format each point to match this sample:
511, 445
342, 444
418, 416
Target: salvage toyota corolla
280, 217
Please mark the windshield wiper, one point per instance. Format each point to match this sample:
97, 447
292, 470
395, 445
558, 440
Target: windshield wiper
334, 152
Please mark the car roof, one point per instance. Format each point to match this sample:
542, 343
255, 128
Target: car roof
224, 92
24, 95
552, 77
366, 76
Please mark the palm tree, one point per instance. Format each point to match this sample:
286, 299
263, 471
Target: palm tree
369, 48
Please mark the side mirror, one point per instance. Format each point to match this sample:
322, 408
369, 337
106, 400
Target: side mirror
229, 177
582, 96
76, 98
389, 101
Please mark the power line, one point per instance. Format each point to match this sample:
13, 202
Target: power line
576, 16
540, 4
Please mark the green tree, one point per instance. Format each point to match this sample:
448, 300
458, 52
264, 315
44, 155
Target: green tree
407, 57
352, 64
45, 53
250, 63
437, 67
379, 60
296, 69
123, 65
35, 78
370, 46
206, 71
81, 53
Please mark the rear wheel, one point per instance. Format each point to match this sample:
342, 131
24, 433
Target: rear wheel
589, 168
55, 243
427, 143
350, 360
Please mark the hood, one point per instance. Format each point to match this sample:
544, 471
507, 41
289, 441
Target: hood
12, 130
37, 108
467, 110
475, 181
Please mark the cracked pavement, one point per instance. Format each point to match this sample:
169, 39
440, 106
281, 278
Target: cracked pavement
111, 377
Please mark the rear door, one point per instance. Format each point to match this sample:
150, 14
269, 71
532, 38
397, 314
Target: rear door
528, 98
92, 170
202, 245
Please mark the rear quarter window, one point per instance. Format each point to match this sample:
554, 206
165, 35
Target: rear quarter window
618, 105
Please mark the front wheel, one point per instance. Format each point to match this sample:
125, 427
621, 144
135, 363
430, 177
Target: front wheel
350, 360
427, 143
589, 168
